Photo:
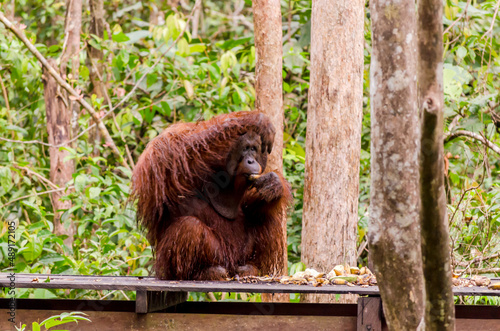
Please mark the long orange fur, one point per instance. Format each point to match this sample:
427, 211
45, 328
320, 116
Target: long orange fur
187, 234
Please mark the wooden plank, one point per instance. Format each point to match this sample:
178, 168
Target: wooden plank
192, 307
112, 321
369, 314
128, 283
232, 308
151, 284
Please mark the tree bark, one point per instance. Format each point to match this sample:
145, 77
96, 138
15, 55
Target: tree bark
439, 305
71, 52
333, 139
269, 91
59, 131
96, 65
196, 22
394, 234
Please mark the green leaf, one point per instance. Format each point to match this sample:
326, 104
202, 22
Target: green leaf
126, 171
227, 61
453, 79
5, 178
461, 52
151, 79
183, 47
94, 192
120, 37
17, 129
41, 293
241, 94
33, 249
198, 48
33, 206
137, 117
166, 108
232, 43
305, 35
84, 72
80, 182
54, 49
135, 36
473, 124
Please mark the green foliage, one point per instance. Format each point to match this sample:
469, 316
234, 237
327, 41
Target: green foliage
56, 320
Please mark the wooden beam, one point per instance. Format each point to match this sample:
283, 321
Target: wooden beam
128, 283
369, 314
111, 320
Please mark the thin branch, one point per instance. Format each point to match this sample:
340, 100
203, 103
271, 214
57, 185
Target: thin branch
5, 95
75, 138
480, 259
67, 87
159, 58
485, 158
34, 195
458, 19
31, 172
474, 136
484, 270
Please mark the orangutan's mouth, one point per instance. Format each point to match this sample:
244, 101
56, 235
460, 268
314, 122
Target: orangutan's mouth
253, 177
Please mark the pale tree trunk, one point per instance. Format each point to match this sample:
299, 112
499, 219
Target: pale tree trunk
268, 90
439, 305
62, 113
71, 52
96, 65
59, 132
394, 233
333, 140
196, 21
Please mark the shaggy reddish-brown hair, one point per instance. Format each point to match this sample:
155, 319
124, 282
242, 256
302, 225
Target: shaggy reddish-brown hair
175, 166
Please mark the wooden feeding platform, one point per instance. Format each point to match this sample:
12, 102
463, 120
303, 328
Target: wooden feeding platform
162, 305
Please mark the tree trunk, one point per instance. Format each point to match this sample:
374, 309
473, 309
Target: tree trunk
333, 140
96, 65
393, 234
269, 90
439, 305
71, 52
59, 131
195, 22
62, 113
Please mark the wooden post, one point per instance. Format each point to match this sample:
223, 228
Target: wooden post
369, 314
150, 301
